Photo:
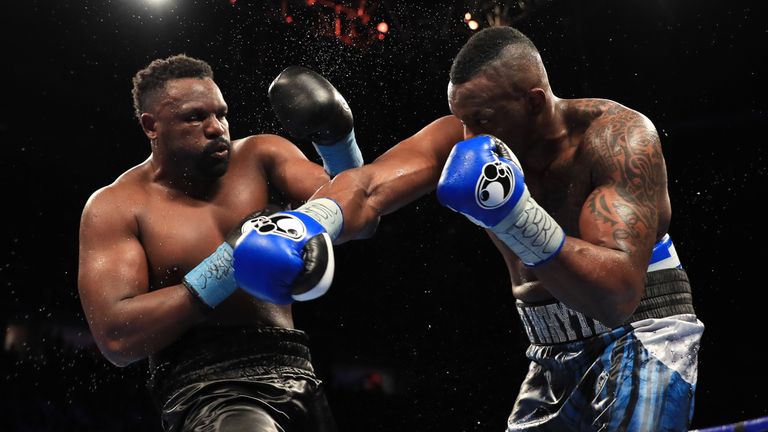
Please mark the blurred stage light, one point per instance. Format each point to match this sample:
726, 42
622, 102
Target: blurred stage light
467, 16
353, 25
473, 25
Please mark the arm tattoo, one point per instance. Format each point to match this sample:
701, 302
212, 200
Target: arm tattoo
629, 164
601, 209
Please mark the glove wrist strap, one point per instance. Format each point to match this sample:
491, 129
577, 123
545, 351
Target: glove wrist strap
531, 233
212, 281
341, 155
327, 213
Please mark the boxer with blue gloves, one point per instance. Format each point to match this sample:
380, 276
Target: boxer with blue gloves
167, 270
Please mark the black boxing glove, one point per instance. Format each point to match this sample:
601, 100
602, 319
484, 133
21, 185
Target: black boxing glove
307, 105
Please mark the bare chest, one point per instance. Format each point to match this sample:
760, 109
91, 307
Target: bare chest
562, 191
178, 232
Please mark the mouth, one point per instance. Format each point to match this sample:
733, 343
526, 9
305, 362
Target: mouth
220, 150
221, 154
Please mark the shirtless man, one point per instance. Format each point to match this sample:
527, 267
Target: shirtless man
574, 195
155, 272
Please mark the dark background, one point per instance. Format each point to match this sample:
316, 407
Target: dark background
419, 331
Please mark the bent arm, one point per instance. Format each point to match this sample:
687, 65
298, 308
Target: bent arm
404, 173
602, 274
128, 323
287, 167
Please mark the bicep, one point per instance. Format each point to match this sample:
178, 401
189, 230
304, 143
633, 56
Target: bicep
622, 212
610, 220
291, 172
112, 262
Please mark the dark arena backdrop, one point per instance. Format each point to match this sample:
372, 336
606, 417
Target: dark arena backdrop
419, 331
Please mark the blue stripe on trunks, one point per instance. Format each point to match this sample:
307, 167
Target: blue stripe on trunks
611, 382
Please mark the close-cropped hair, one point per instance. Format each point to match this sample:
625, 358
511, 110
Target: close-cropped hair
149, 80
482, 49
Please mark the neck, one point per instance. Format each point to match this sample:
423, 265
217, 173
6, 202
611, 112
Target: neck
180, 178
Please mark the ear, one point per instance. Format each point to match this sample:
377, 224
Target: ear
148, 124
537, 100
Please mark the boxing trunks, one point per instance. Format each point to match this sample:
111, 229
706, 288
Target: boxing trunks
232, 379
640, 376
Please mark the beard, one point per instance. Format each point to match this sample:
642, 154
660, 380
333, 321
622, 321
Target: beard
214, 160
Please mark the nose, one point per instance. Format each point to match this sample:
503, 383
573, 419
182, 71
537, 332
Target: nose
215, 127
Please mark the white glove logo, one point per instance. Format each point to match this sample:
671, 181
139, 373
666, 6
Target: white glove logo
281, 224
494, 186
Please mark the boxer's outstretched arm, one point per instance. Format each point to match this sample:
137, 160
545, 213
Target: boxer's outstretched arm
404, 173
127, 322
603, 273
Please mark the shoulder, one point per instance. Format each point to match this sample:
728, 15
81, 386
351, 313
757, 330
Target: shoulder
610, 127
122, 197
619, 139
607, 119
262, 143
266, 149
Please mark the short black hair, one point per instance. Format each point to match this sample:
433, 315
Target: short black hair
483, 48
154, 77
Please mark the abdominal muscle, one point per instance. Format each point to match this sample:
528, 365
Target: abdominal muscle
241, 309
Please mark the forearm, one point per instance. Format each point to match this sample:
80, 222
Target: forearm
600, 282
366, 194
351, 190
142, 325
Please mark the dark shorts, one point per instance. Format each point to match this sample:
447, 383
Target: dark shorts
238, 379
637, 377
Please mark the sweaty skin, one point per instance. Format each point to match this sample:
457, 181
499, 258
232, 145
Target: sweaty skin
141, 234
594, 165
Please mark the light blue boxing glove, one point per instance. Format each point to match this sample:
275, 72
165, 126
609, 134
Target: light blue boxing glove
482, 179
288, 256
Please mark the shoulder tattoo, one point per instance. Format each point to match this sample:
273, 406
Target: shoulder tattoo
629, 172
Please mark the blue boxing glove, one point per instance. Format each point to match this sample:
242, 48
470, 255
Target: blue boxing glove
212, 281
288, 256
482, 179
